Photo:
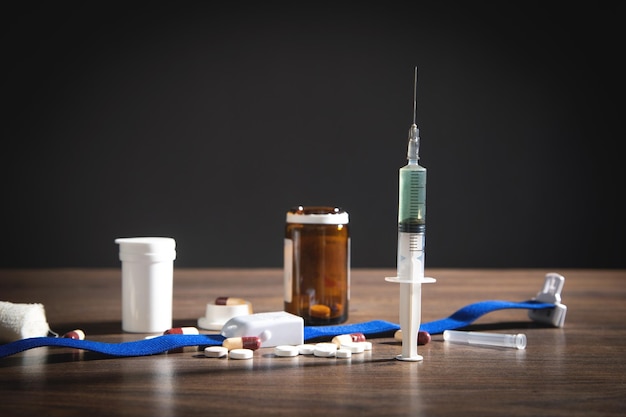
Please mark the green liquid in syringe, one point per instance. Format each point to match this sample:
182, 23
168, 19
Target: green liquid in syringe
412, 204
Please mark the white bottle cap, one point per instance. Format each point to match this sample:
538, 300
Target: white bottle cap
147, 248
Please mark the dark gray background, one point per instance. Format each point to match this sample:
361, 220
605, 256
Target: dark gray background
206, 122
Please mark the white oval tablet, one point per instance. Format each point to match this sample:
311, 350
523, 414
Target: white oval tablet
241, 354
215, 351
306, 349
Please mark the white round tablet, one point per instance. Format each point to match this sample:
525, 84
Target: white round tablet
215, 351
306, 349
354, 347
343, 353
325, 349
286, 350
241, 354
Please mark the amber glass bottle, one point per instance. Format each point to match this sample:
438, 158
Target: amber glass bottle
317, 264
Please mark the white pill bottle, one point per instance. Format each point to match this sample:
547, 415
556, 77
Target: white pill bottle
147, 283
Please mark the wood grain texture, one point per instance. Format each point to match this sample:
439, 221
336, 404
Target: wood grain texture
574, 371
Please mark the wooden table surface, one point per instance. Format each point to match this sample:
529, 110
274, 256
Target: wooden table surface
578, 370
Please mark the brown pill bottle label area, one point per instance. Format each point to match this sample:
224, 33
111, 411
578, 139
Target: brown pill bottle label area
317, 264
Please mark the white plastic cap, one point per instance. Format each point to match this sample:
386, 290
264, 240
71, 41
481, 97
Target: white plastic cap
217, 315
148, 248
317, 215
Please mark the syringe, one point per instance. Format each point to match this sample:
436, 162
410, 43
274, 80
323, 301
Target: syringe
517, 341
411, 241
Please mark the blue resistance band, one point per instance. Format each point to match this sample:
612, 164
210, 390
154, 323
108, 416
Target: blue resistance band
376, 328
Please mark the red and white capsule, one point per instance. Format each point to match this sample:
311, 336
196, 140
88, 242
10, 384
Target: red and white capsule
77, 334
232, 301
229, 301
423, 337
182, 330
344, 339
246, 342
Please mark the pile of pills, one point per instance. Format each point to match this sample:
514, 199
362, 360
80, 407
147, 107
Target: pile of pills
342, 346
235, 348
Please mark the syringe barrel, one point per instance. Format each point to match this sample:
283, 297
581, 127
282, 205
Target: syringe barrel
411, 242
411, 221
412, 198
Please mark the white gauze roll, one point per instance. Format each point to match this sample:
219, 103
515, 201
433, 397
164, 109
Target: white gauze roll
21, 321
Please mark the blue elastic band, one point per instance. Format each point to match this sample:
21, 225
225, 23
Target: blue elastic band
461, 318
144, 347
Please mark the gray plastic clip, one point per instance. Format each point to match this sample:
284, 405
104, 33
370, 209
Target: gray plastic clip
550, 293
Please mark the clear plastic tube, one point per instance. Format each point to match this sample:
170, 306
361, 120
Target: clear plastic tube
517, 341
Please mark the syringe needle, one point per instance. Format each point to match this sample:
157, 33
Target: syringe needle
414, 140
415, 97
